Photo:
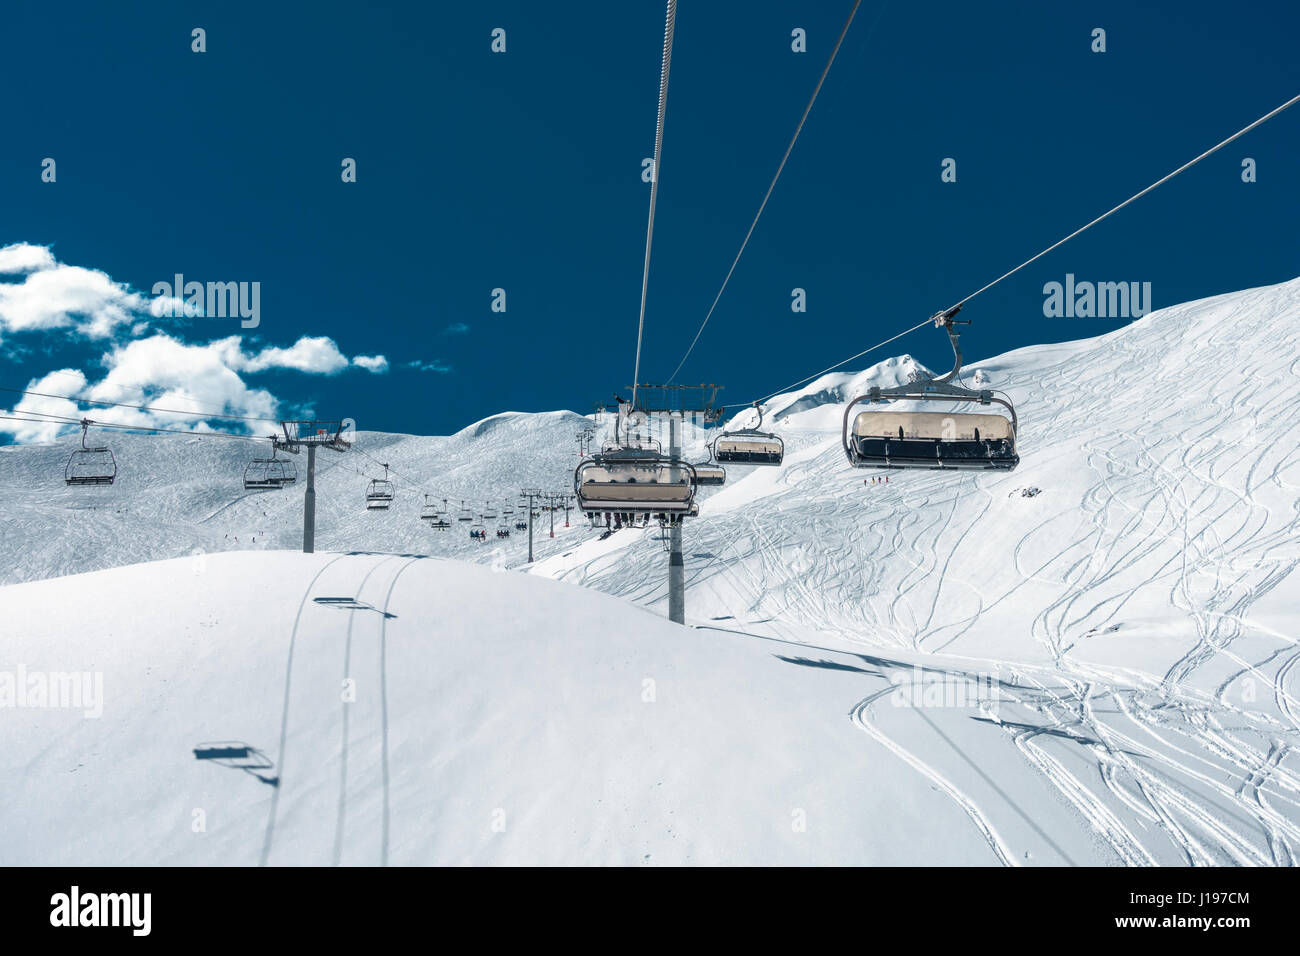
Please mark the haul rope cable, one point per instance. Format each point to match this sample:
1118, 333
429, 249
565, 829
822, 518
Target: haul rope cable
672, 7
435, 492
768, 195
147, 408
124, 388
961, 302
49, 419
669, 24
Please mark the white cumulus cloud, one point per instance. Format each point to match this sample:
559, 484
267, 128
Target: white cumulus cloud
39, 293
22, 257
52, 295
33, 408
317, 355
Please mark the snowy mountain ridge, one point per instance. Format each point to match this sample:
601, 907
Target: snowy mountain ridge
1109, 627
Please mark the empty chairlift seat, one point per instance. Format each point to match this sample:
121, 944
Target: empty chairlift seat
749, 446
379, 493
634, 482
739, 448
91, 464
707, 474
898, 437
269, 474
933, 440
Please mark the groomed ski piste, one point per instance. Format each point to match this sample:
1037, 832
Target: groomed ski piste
944, 669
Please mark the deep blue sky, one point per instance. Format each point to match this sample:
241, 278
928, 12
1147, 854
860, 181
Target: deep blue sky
522, 171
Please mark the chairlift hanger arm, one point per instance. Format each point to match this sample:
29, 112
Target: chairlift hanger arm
946, 321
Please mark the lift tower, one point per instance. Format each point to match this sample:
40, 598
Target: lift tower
312, 435
676, 402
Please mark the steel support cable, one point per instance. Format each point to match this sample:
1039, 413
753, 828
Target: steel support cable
771, 186
1138, 195
1164, 179
50, 419
134, 388
804, 381
670, 20
145, 408
436, 493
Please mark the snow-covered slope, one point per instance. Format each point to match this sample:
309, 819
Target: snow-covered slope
178, 495
496, 718
826, 392
1139, 613
1129, 631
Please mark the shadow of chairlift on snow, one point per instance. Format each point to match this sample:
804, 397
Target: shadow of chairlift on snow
829, 665
387, 554
351, 604
238, 756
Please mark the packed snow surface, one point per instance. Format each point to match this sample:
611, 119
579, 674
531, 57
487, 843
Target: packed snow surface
1088, 660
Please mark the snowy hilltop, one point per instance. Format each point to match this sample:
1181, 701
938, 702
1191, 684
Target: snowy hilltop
1089, 660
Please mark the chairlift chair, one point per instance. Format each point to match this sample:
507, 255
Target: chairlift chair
707, 473
749, 446
428, 512
898, 439
465, 514
287, 473
379, 493
258, 475
91, 464
634, 481
269, 474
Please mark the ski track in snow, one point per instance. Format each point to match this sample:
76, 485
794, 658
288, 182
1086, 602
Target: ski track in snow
1129, 611
1186, 518
368, 582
